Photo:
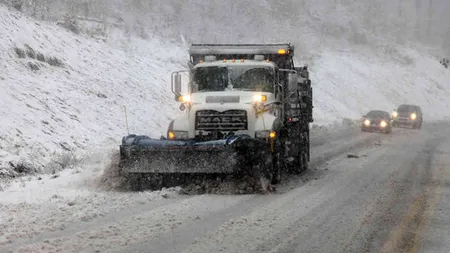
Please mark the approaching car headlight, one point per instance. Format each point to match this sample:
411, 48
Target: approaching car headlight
383, 124
394, 114
367, 122
413, 116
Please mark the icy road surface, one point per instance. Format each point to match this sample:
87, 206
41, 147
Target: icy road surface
392, 198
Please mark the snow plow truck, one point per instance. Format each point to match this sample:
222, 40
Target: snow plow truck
245, 111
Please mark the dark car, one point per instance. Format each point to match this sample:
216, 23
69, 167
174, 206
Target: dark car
377, 120
408, 116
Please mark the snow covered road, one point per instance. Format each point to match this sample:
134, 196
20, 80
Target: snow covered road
382, 200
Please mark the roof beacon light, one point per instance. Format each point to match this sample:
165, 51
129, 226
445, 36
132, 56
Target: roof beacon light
281, 51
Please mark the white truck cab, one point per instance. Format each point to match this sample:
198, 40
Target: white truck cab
227, 97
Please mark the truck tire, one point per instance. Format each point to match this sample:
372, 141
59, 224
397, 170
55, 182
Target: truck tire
300, 163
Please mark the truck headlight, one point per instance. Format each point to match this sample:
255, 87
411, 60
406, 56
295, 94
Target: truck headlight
172, 135
184, 99
383, 124
259, 98
367, 122
413, 116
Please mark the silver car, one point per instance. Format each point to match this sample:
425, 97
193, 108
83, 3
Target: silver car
408, 116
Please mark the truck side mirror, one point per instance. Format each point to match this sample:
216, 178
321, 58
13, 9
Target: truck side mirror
177, 86
190, 65
292, 81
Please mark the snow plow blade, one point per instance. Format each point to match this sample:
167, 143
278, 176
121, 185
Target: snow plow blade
142, 154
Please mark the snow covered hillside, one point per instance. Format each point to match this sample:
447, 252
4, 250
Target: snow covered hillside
348, 83
63, 94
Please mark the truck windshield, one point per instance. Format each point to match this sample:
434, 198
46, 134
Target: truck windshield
246, 78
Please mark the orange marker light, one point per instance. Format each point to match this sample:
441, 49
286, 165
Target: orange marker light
273, 134
282, 51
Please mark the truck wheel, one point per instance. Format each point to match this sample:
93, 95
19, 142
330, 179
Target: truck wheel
300, 164
301, 160
304, 161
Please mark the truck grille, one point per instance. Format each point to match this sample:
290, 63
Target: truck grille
231, 120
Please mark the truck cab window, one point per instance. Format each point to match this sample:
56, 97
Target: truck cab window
245, 78
210, 79
255, 79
